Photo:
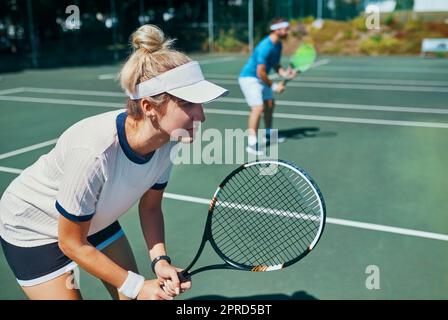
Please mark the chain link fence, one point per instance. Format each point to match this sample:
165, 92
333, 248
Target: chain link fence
50, 33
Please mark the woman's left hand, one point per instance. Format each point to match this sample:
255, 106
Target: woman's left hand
168, 275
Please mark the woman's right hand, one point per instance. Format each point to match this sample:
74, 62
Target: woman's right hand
152, 290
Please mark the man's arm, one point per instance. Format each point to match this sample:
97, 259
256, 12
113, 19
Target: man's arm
262, 74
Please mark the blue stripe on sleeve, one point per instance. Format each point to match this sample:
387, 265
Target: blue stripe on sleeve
159, 186
72, 217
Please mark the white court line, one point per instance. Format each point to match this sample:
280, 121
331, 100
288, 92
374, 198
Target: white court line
440, 125
218, 60
240, 100
420, 124
390, 229
353, 86
346, 80
10, 170
347, 106
109, 76
377, 81
12, 90
27, 149
75, 92
281, 213
63, 101
343, 222
383, 69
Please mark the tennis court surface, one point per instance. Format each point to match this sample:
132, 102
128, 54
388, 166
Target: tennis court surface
372, 132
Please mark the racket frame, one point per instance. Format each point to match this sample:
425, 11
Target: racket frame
229, 264
313, 65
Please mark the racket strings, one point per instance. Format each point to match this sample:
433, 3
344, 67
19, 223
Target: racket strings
303, 57
238, 252
250, 225
307, 239
242, 226
239, 225
261, 250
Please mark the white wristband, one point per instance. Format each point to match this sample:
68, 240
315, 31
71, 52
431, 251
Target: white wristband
132, 285
274, 86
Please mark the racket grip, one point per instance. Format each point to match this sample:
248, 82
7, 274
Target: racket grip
183, 276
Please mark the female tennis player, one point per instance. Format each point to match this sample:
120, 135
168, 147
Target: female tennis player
62, 211
258, 88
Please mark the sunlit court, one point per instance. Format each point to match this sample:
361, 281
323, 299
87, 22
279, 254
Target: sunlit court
361, 116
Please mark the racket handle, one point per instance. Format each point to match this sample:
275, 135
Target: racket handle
183, 276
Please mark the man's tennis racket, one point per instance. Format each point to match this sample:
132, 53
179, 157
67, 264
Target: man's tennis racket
303, 59
264, 216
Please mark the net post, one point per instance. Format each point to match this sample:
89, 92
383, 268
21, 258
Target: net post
251, 25
141, 10
319, 9
114, 27
210, 26
34, 61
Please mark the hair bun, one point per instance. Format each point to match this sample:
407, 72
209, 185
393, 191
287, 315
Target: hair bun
150, 38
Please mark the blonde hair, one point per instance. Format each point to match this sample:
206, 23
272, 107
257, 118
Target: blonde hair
152, 55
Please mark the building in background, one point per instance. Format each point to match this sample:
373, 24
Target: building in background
384, 5
431, 5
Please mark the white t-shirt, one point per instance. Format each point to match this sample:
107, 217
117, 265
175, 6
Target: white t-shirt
91, 174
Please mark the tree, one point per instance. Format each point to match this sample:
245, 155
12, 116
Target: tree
404, 5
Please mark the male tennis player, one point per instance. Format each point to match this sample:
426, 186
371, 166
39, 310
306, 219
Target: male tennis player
258, 88
63, 210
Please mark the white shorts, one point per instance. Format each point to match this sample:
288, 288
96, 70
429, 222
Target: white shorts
255, 91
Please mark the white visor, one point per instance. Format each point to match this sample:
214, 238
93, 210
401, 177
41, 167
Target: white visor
280, 25
185, 82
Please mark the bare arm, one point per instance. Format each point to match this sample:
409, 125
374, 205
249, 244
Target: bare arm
261, 73
151, 220
73, 243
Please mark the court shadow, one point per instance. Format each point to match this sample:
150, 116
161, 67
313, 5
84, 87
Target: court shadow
301, 133
298, 295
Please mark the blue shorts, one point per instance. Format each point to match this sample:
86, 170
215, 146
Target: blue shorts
35, 265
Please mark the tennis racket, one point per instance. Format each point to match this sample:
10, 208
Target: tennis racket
264, 216
303, 59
